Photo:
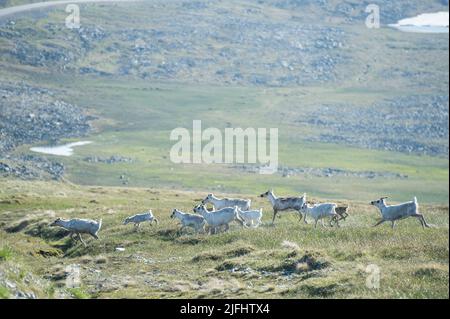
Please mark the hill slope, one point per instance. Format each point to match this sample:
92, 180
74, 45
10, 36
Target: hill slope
290, 260
361, 113
334, 88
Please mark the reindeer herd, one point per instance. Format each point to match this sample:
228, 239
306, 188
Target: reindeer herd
228, 210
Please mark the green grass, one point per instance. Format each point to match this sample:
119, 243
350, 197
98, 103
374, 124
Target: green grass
5, 253
158, 262
142, 129
4, 292
78, 293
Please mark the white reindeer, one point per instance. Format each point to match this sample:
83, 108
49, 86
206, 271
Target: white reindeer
141, 218
79, 226
218, 203
282, 204
219, 218
189, 220
320, 211
252, 218
393, 213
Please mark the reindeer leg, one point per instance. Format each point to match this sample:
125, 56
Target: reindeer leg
393, 224
275, 212
380, 222
422, 220
315, 223
81, 239
418, 216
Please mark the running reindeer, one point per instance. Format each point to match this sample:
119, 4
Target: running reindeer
280, 204
393, 213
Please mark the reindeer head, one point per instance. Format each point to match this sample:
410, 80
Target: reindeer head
126, 221
304, 202
56, 222
207, 199
200, 208
379, 203
269, 192
174, 212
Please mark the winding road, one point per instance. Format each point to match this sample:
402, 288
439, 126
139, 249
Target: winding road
38, 5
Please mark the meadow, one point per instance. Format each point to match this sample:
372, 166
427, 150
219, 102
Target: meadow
135, 120
288, 260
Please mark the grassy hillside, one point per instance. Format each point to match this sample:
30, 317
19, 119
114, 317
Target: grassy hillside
136, 120
361, 113
290, 260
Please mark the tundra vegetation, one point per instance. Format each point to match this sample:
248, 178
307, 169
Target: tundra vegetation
290, 260
311, 69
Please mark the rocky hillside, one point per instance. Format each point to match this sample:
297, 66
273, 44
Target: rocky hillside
413, 124
264, 44
30, 114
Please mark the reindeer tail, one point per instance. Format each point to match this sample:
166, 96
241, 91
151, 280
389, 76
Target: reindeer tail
99, 226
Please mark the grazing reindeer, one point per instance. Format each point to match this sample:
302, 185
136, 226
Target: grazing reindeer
282, 204
393, 213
